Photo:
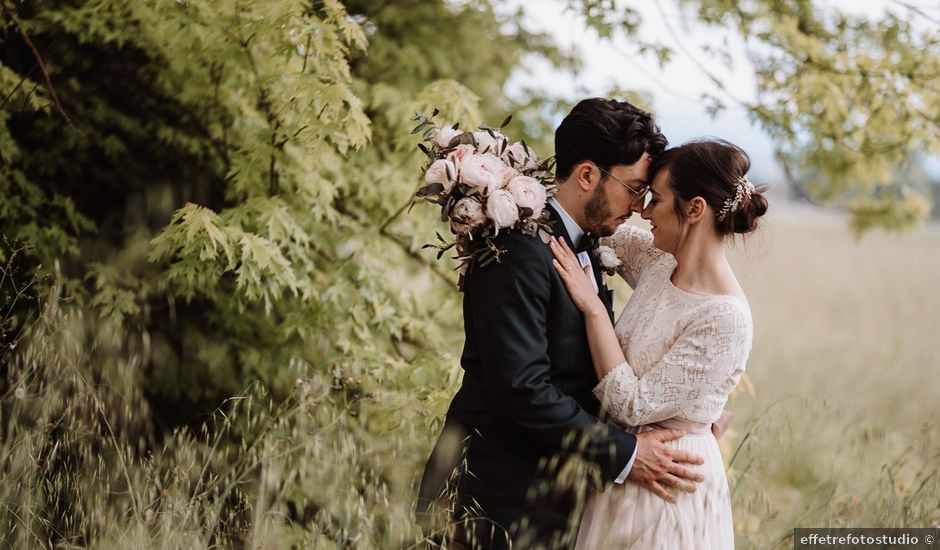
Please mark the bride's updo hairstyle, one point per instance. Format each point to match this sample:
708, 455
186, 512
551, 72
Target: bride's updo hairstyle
715, 170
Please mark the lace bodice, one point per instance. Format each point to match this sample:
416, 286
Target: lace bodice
685, 352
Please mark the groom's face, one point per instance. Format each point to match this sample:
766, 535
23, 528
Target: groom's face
610, 204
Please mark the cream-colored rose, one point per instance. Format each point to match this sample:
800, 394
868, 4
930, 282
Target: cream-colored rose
488, 143
484, 173
443, 136
521, 160
459, 153
607, 257
528, 193
442, 171
502, 209
467, 215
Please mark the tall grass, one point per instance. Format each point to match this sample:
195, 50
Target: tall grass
81, 466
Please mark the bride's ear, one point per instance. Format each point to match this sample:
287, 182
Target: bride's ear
695, 209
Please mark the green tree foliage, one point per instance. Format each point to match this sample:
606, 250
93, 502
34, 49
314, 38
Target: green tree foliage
214, 193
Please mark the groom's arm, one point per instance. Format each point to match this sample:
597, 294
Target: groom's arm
508, 305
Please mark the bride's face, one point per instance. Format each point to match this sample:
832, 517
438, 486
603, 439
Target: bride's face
661, 213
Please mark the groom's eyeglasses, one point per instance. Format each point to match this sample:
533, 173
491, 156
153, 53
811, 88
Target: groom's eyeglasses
641, 195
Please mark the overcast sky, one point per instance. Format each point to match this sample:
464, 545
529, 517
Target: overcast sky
677, 88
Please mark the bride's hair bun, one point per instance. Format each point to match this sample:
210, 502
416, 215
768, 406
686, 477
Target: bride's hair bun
744, 219
715, 170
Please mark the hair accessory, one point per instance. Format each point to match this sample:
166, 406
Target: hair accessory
742, 192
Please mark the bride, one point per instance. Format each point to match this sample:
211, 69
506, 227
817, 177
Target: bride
680, 345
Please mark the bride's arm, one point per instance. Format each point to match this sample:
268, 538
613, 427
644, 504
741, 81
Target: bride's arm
605, 347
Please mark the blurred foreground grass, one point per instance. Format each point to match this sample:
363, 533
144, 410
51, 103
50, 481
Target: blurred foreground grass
837, 420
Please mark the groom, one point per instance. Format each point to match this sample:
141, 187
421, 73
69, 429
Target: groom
525, 407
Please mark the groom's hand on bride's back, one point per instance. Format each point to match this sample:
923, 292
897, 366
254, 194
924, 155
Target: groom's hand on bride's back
658, 466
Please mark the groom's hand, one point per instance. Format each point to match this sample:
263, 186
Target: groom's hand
658, 465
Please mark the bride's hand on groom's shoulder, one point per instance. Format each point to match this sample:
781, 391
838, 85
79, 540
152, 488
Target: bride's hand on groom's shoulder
658, 465
577, 279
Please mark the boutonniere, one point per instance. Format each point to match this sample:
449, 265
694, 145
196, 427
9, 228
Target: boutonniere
608, 259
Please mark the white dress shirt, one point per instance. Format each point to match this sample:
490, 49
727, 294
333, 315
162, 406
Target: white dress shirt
584, 258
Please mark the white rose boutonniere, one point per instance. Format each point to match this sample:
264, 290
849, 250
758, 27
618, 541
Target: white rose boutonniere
608, 259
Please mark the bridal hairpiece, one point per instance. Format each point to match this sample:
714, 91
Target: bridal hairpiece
743, 191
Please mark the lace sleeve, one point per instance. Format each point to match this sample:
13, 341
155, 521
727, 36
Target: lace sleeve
634, 249
692, 381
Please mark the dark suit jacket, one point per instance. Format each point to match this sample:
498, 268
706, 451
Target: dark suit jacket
525, 398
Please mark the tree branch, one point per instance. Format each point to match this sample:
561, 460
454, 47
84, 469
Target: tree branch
42, 66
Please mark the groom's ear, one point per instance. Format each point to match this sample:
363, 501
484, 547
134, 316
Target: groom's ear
584, 173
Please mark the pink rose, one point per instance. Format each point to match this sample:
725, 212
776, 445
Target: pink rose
484, 173
459, 153
467, 215
528, 193
488, 143
441, 171
502, 209
521, 159
443, 136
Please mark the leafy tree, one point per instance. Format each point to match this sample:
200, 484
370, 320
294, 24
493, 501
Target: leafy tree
215, 191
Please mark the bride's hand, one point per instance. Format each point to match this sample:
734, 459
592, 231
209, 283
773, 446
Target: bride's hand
577, 279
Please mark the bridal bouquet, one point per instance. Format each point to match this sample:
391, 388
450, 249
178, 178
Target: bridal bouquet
485, 184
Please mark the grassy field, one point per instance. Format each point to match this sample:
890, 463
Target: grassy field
838, 419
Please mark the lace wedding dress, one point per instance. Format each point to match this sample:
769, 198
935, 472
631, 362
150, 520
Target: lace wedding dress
685, 354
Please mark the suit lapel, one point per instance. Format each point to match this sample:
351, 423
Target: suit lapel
558, 226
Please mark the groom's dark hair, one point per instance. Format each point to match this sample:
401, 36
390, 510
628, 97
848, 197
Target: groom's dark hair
606, 132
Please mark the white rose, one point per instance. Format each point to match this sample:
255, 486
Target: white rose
502, 209
488, 143
520, 158
443, 136
484, 173
467, 215
528, 193
608, 258
459, 153
442, 171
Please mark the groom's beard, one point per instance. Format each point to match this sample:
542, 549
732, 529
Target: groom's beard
597, 212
